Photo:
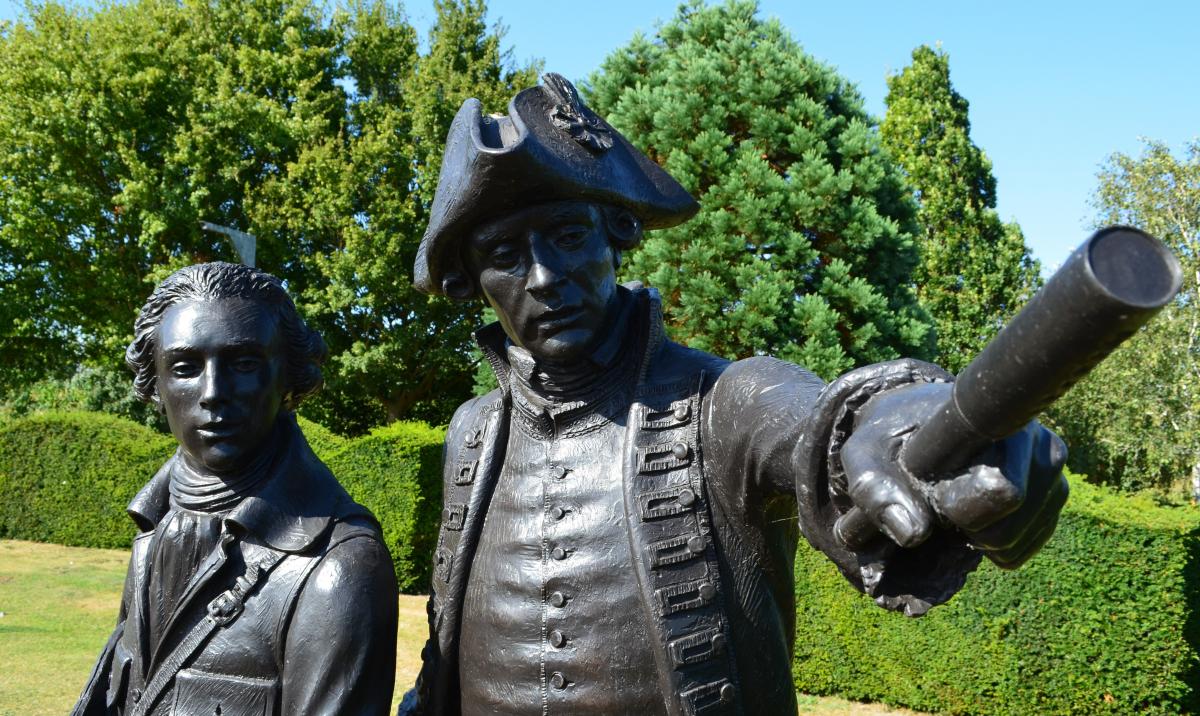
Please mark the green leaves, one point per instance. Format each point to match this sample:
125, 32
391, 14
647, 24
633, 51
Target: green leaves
320, 132
975, 271
803, 246
1134, 422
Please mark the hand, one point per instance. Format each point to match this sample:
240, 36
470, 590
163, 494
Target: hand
1006, 504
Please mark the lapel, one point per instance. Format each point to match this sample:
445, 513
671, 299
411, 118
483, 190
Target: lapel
494, 418
137, 628
204, 574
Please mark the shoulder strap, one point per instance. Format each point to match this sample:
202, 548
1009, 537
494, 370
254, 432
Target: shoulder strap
222, 611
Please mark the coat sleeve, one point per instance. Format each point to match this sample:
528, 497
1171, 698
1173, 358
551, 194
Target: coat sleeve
94, 701
339, 653
773, 428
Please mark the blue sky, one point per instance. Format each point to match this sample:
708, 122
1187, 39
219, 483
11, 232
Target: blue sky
1054, 87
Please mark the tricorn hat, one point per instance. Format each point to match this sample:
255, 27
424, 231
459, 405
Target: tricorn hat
550, 147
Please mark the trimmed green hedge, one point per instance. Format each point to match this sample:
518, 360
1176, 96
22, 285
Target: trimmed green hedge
67, 477
397, 472
1106, 619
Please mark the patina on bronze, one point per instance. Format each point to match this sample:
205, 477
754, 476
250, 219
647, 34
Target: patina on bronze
621, 514
256, 584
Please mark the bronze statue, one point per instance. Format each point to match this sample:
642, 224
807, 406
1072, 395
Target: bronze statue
256, 584
621, 514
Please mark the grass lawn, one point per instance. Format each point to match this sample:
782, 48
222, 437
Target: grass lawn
58, 606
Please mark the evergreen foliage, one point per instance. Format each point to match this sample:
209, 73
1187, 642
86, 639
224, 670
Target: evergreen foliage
975, 271
1134, 422
1104, 620
396, 471
67, 477
122, 127
803, 248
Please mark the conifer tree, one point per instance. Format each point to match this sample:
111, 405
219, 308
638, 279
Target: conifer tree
975, 271
803, 247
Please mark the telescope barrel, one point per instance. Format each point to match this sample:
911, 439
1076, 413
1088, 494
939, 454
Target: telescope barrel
1107, 289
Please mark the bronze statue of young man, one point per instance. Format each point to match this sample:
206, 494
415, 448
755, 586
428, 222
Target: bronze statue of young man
620, 515
256, 584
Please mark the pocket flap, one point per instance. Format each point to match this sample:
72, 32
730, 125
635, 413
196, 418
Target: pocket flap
202, 693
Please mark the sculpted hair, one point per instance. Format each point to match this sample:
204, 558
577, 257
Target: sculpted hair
305, 348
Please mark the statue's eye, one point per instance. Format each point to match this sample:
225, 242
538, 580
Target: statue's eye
503, 256
246, 364
571, 236
185, 369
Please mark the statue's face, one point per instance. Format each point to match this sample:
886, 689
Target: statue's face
220, 370
548, 271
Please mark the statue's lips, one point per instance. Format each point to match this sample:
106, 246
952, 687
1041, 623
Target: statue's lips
218, 431
559, 319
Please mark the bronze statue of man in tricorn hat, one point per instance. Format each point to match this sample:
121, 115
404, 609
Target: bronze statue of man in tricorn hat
621, 514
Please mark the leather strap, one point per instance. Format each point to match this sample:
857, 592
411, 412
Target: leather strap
222, 611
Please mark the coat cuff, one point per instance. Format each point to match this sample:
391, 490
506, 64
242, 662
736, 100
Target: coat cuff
908, 580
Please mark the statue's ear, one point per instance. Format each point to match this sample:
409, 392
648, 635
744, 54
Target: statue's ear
156, 401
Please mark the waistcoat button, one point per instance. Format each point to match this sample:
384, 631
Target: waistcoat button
558, 472
727, 693
557, 512
558, 599
557, 680
686, 497
718, 643
137, 695
557, 639
559, 553
696, 544
680, 451
707, 591
681, 412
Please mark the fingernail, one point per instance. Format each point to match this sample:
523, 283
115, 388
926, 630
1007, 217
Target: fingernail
898, 524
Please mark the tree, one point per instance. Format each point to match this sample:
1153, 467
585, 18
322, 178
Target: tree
365, 193
803, 247
975, 271
1134, 422
318, 132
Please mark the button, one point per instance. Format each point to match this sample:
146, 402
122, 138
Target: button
558, 472
682, 411
707, 591
680, 451
557, 512
558, 599
686, 497
727, 693
558, 553
557, 639
137, 695
557, 680
696, 544
718, 643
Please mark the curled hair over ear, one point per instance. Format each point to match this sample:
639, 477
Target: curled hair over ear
304, 347
624, 228
457, 285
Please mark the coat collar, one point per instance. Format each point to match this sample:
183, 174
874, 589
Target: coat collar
293, 508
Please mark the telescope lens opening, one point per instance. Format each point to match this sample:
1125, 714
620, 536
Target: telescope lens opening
1134, 267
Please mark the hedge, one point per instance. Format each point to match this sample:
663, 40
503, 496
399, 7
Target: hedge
67, 477
1106, 619
397, 472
